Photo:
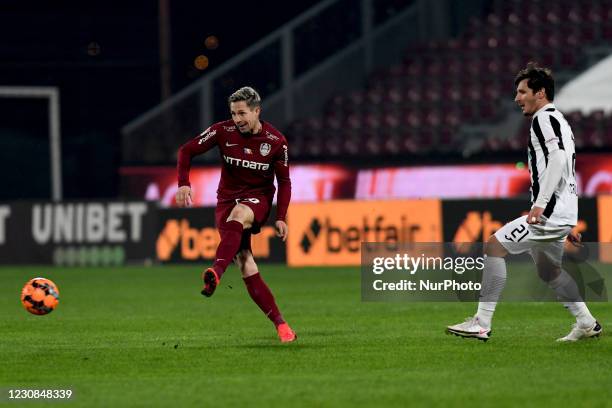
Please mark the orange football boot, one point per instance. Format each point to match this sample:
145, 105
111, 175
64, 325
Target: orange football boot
285, 333
211, 280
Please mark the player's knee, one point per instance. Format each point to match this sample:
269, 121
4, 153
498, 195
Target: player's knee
238, 213
494, 248
242, 214
548, 274
547, 270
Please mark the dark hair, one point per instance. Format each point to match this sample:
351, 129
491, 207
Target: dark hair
537, 78
247, 94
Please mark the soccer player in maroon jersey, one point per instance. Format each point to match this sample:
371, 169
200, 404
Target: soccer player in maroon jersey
252, 152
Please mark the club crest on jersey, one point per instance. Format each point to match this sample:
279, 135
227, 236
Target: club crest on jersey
264, 149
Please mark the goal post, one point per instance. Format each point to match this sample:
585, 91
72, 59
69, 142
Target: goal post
52, 94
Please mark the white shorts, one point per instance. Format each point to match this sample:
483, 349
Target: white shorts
518, 237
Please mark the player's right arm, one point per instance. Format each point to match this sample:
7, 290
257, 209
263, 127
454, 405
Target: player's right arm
201, 144
555, 166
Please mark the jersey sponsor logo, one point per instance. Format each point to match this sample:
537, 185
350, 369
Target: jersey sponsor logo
271, 136
228, 144
247, 164
264, 149
229, 128
207, 134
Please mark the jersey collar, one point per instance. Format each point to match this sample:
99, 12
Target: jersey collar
543, 108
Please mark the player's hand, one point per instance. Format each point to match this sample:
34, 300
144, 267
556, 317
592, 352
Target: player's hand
282, 230
183, 196
575, 238
534, 215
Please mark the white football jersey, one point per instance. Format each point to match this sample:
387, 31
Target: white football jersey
549, 132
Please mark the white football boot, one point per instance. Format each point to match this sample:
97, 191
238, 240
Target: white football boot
471, 328
579, 333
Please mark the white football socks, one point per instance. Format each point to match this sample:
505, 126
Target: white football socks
493, 282
567, 292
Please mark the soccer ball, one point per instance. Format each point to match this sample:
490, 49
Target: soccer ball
39, 296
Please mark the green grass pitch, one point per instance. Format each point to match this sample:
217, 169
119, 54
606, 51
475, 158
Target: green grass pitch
138, 336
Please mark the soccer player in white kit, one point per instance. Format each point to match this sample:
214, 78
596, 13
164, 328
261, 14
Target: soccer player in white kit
554, 211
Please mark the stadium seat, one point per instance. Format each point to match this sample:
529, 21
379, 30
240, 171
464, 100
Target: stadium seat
420, 104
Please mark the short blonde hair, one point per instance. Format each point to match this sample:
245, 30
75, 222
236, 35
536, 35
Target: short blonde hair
247, 94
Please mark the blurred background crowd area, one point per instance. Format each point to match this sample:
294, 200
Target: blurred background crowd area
361, 83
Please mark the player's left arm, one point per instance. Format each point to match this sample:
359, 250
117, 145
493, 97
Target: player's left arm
555, 168
281, 170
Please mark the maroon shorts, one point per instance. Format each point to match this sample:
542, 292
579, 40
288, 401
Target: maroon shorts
259, 204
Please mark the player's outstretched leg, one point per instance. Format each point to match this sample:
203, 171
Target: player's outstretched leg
262, 296
567, 292
566, 289
579, 332
493, 282
231, 231
231, 234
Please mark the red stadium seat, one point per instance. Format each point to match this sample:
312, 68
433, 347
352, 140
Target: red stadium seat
351, 143
433, 94
333, 145
553, 17
433, 119
354, 121
451, 117
412, 119
333, 121
392, 144
372, 121
374, 145
391, 120
374, 96
409, 143
413, 95
394, 96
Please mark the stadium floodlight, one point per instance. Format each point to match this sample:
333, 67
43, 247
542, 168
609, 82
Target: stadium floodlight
52, 94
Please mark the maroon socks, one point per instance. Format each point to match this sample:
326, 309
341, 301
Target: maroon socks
260, 293
231, 234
